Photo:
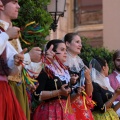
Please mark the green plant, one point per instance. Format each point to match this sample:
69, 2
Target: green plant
34, 10
88, 52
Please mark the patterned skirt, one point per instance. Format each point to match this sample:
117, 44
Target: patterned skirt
110, 114
81, 113
9, 106
53, 110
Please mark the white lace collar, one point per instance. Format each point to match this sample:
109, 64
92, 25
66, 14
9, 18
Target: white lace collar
60, 73
74, 63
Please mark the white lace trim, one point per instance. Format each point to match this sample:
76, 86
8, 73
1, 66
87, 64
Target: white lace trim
60, 73
74, 63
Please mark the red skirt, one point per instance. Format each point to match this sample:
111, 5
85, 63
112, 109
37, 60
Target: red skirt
52, 110
81, 113
9, 106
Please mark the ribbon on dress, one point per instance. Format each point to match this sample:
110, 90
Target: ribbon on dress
88, 102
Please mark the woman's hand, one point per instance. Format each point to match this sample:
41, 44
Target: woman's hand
80, 89
87, 73
49, 53
88, 82
65, 90
33, 87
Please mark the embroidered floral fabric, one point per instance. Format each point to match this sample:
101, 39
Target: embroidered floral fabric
108, 115
80, 111
52, 110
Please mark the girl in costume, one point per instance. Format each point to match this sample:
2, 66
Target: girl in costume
8, 13
53, 88
103, 93
80, 106
9, 106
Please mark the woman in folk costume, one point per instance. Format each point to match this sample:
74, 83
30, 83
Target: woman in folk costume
9, 106
103, 93
8, 13
53, 88
75, 64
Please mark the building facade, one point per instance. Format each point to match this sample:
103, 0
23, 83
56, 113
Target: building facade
98, 20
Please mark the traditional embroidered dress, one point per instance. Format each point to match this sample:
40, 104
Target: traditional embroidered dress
9, 106
54, 108
101, 96
81, 111
102, 92
16, 83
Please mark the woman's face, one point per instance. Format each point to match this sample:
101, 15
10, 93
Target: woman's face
75, 46
106, 69
61, 52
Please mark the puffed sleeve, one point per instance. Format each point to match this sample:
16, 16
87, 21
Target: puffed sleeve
42, 79
10, 51
35, 68
3, 41
97, 97
27, 59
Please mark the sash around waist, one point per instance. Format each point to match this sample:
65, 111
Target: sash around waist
15, 78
